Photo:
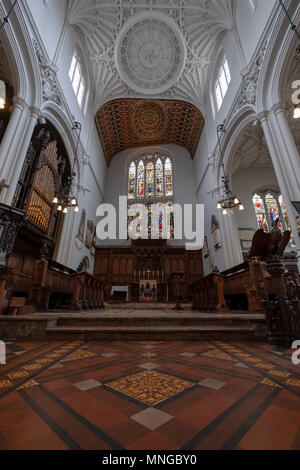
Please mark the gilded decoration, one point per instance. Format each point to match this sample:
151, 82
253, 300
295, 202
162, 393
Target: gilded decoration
132, 123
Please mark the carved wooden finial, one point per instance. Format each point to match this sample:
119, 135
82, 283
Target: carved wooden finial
3, 185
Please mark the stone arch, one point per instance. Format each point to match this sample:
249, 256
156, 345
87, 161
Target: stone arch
22, 58
278, 59
228, 225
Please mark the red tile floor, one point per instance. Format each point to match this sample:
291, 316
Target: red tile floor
149, 396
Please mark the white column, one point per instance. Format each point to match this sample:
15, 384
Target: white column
16, 168
66, 241
232, 245
288, 152
11, 138
282, 169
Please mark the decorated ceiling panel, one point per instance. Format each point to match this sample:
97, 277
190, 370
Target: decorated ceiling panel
159, 48
131, 123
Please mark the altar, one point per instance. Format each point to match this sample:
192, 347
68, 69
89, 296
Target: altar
148, 291
148, 261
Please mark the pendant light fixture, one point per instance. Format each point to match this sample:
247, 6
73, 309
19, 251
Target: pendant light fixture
68, 200
227, 201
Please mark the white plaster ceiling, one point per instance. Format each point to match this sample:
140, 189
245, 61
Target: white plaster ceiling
198, 27
251, 150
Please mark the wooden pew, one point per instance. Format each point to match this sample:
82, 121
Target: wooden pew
217, 292
47, 280
208, 294
88, 292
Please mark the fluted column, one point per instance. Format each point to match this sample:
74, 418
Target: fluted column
11, 140
283, 171
231, 243
16, 167
287, 149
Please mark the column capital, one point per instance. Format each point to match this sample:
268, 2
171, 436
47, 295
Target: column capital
263, 116
277, 108
35, 112
19, 102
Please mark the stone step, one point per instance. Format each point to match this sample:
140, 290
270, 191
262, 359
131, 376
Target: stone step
155, 333
163, 320
144, 305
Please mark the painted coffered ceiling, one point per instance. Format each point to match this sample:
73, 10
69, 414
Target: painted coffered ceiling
130, 123
159, 49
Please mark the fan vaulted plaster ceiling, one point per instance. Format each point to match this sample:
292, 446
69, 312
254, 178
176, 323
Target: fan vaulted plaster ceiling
160, 49
252, 150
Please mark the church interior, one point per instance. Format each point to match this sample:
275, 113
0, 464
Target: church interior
144, 340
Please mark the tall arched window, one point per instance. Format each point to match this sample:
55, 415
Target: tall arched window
77, 78
131, 181
141, 180
223, 81
151, 182
269, 206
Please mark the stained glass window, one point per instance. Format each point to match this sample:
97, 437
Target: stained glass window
159, 178
273, 211
286, 220
260, 212
131, 181
150, 179
269, 207
141, 180
169, 177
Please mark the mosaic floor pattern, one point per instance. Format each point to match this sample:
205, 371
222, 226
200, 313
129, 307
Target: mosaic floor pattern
150, 387
149, 396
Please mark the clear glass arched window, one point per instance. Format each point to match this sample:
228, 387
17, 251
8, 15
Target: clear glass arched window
77, 78
269, 206
223, 81
151, 182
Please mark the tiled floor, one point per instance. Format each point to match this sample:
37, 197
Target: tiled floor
161, 396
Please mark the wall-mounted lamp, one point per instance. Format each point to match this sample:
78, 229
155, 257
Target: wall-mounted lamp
296, 114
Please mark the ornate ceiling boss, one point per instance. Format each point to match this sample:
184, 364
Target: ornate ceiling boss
150, 53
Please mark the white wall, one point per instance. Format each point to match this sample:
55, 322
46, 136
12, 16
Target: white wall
49, 20
251, 24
